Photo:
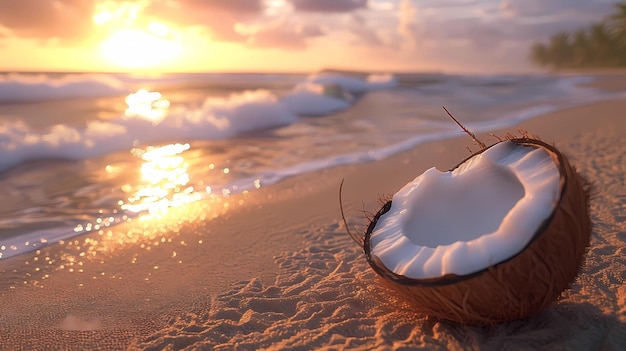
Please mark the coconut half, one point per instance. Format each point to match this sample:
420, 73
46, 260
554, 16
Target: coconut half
497, 238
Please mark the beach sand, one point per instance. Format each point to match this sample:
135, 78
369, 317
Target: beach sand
275, 268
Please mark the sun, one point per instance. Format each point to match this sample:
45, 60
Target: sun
134, 48
134, 41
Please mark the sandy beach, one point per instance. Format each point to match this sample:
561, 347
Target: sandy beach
275, 269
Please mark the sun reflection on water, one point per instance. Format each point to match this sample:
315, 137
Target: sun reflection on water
165, 177
162, 214
146, 104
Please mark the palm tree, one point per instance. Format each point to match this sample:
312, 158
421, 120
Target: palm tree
617, 22
539, 54
580, 48
617, 26
560, 50
600, 45
603, 45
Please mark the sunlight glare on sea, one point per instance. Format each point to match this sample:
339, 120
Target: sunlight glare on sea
165, 177
146, 104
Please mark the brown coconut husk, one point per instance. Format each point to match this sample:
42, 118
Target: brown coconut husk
519, 287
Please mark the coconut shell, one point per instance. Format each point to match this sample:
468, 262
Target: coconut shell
519, 287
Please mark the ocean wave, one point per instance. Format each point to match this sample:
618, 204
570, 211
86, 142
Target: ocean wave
312, 99
218, 118
42, 87
150, 119
355, 84
36, 87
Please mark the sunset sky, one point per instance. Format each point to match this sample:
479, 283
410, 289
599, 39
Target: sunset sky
282, 35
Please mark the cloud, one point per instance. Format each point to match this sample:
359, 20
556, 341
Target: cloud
245, 21
401, 32
217, 16
329, 5
367, 36
240, 6
72, 20
471, 35
203, 6
488, 24
66, 20
366, 32
279, 34
407, 21
531, 8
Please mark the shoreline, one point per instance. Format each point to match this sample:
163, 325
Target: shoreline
328, 161
275, 268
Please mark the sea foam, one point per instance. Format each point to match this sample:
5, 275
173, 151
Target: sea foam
355, 84
217, 118
42, 87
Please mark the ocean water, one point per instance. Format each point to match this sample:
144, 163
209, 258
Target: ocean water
83, 153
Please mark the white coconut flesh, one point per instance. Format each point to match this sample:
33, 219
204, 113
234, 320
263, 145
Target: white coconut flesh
459, 222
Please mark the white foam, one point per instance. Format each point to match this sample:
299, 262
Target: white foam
150, 119
382, 80
354, 84
224, 118
24, 88
308, 99
27, 87
372, 155
218, 118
